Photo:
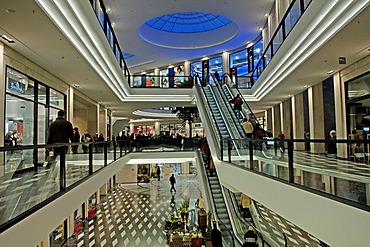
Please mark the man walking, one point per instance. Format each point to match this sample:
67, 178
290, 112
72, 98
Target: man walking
60, 132
172, 182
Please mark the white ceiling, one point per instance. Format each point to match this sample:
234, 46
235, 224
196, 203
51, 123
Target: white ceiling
38, 39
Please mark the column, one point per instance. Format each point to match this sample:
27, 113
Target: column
156, 78
316, 109
103, 121
157, 128
298, 120
340, 114
187, 68
286, 119
276, 123
92, 119
132, 130
187, 129
70, 100
2, 107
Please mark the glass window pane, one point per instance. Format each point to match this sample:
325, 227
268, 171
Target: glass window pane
215, 64
196, 69
239, 60
56, 99
137, 81
42, 124
305, 3
19, 84
257, 51
19, 119
42, 94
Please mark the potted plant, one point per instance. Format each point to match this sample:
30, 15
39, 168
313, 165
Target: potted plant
202, 219
197, 239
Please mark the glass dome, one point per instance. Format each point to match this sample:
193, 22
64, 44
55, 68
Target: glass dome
188, 22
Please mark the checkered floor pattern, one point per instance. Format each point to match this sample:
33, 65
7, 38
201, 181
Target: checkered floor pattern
135, 215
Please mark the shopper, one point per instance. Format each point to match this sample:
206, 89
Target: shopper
159, 173
250, 238
60, 132
248, 128
245, 202
172, 182
86, 138
237, 102
76, 138
216, 236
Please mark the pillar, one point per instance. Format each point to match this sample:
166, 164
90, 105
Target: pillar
187, 129
276, 123
132, 130
103, 120
316, 109
70, 100
2, 107
286, 118
298, 120
157, 128
340, 114
156, 78
187, 68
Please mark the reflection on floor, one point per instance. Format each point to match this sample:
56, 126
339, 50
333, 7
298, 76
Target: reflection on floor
134, 215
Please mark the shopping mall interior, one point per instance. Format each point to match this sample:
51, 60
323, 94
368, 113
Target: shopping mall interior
152, 90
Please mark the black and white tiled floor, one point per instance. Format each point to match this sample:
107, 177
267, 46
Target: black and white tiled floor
134, 215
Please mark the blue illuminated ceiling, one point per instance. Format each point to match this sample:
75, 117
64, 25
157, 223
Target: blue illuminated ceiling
188, 22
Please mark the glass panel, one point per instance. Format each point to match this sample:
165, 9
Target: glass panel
257, 51
100, 14
19, 84
359, 87
215, 65
268, 55
118, 53
42, 124
306, 3
278, 39
164, 78
292, 17
239, 60
19, 119
41, 93
77, 167
179, 76
56, 99
110, 36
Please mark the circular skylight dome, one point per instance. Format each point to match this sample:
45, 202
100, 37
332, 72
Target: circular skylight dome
188, 22
188, 30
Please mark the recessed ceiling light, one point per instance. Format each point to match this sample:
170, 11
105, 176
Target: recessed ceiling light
113, 24
7, 38
266, 15
76, 85
10, 11
330, 72
305, 86
108, 10
261, 29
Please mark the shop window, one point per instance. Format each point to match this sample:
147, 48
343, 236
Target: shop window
56, 99
19, 84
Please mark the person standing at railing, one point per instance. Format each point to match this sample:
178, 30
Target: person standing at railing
76, 138
86, 137
332, 146
60, 132
217, 76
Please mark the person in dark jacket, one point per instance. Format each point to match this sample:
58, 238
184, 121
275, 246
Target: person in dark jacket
250, 238
60, 132
237, 101
216, 236
76, 138
172, 182
86, 138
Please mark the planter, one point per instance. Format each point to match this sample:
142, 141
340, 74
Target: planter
202, 222
208, 243
184, 216
196, 242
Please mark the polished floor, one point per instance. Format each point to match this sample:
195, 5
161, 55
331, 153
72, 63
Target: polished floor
135, 215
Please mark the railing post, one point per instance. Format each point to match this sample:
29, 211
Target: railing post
105, 154
91, 147
229, 150
120, 148
290, 161
251, 154
62, 167
275, 146
222, 149
114, 150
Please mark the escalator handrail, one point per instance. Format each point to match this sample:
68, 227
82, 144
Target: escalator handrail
210, 195
219, 184
199, 89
